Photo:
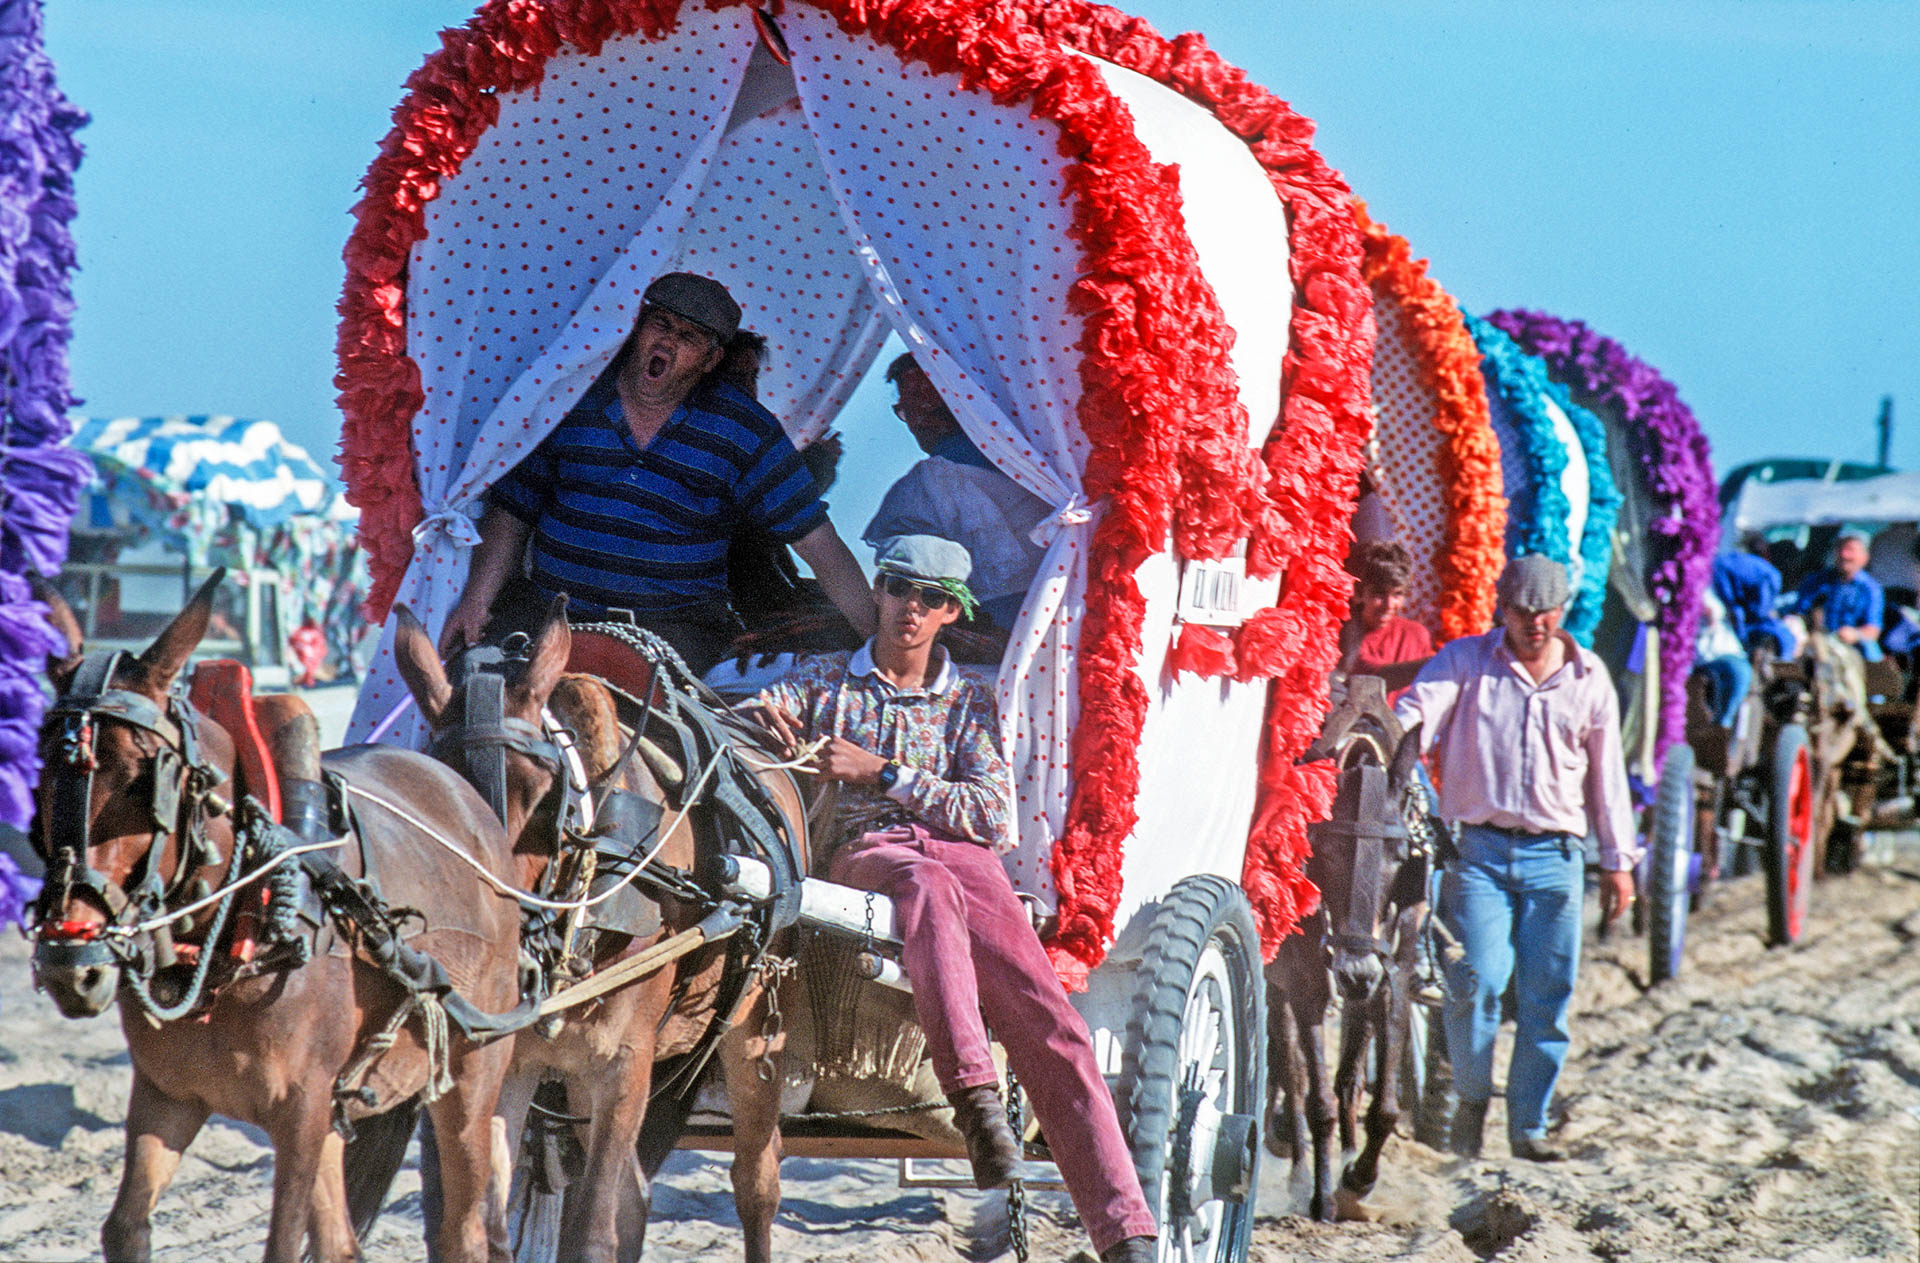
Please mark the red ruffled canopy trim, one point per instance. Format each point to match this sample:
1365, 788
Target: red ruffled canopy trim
1473, 547
1158, 407
1311, 462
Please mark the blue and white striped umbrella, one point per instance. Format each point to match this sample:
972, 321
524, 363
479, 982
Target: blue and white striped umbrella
246, 464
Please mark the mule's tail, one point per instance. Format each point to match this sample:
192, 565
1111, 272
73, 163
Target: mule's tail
373, 1159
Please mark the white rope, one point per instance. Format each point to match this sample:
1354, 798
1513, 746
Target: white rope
168, 918
800, 762
796, 764
535, 901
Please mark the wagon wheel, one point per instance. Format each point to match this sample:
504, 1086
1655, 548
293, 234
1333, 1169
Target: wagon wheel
1193, 1070
1670, 864
548, 1161
1790, 837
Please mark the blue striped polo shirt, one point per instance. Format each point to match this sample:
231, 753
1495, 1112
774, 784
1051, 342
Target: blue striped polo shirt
618, 526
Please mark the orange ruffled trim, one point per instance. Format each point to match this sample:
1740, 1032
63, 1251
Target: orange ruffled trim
1473, 550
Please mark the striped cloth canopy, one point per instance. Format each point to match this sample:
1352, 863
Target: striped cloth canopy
245, 464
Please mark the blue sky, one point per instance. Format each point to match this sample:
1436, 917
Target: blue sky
1731, 188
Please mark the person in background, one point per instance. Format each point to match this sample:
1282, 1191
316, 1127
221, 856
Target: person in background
1719, 655
631, 502
1848, 598
926, 805
1526, 729
1376, 640
1748, 587
956, 493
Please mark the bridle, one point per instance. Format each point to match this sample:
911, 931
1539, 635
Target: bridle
1375, 840
488, 732
183, 801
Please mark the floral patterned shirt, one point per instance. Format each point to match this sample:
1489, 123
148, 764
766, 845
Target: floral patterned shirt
945, 737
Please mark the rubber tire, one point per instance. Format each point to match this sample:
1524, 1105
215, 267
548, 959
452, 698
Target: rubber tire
1670, 864
1198, 911
533, 1216
1790, 849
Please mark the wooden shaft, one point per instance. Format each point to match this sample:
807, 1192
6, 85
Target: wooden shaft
632, 969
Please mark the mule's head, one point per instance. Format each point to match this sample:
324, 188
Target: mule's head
127, 820
1363, 862
487, 716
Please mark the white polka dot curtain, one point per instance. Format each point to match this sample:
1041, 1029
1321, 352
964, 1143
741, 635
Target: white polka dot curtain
768, 188
939, 191
530, 276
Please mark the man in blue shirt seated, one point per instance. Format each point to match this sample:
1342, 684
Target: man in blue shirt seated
1748, 585
632, 500
1849, 599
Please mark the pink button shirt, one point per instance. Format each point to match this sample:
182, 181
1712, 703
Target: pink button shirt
1540, 757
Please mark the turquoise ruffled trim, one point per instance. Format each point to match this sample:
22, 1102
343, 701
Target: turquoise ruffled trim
1516, 383
1603, 509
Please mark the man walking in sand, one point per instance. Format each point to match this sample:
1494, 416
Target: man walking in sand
1527, 730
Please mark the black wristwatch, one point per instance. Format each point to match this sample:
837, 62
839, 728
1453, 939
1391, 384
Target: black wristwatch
889, 776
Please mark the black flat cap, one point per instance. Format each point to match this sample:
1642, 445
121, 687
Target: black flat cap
700, 299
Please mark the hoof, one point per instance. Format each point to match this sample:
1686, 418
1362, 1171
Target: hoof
1279, 1134
1349, 1209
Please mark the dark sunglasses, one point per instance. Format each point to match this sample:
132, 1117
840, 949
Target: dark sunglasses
931, 598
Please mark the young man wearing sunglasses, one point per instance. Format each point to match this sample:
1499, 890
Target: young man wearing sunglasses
926, 804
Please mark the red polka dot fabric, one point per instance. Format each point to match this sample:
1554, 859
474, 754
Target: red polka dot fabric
766, 227
1405, 464
958, 212
530, 276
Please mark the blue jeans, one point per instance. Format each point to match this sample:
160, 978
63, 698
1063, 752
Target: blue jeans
1731, 677
1514, 903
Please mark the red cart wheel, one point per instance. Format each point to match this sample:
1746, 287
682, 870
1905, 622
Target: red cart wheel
1790, 846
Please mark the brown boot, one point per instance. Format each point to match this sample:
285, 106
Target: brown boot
992, 1147
1132, 1250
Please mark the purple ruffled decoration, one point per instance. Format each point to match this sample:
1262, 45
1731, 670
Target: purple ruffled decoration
41, 479
17, 892
1678, 465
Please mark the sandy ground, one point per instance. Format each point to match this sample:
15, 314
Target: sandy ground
1766, 1106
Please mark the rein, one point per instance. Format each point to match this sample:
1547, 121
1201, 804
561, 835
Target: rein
507, 888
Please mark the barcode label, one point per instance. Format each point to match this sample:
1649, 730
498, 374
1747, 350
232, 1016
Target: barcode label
1211, 592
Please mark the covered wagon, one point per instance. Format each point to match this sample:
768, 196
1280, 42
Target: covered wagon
1139, 289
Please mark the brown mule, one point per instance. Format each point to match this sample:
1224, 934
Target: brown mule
606, 1052
132, 820
1363, 940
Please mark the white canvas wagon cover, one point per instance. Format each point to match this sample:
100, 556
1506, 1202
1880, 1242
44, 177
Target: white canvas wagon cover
1122, 264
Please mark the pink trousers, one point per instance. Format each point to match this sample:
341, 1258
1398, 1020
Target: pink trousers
969, 946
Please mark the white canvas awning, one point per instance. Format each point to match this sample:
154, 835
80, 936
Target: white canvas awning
1816, 502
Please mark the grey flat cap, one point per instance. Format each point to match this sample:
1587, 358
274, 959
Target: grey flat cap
925, 557
700, 299
1534, 582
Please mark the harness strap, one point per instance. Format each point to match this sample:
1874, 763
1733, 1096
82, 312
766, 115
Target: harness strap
360, 912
